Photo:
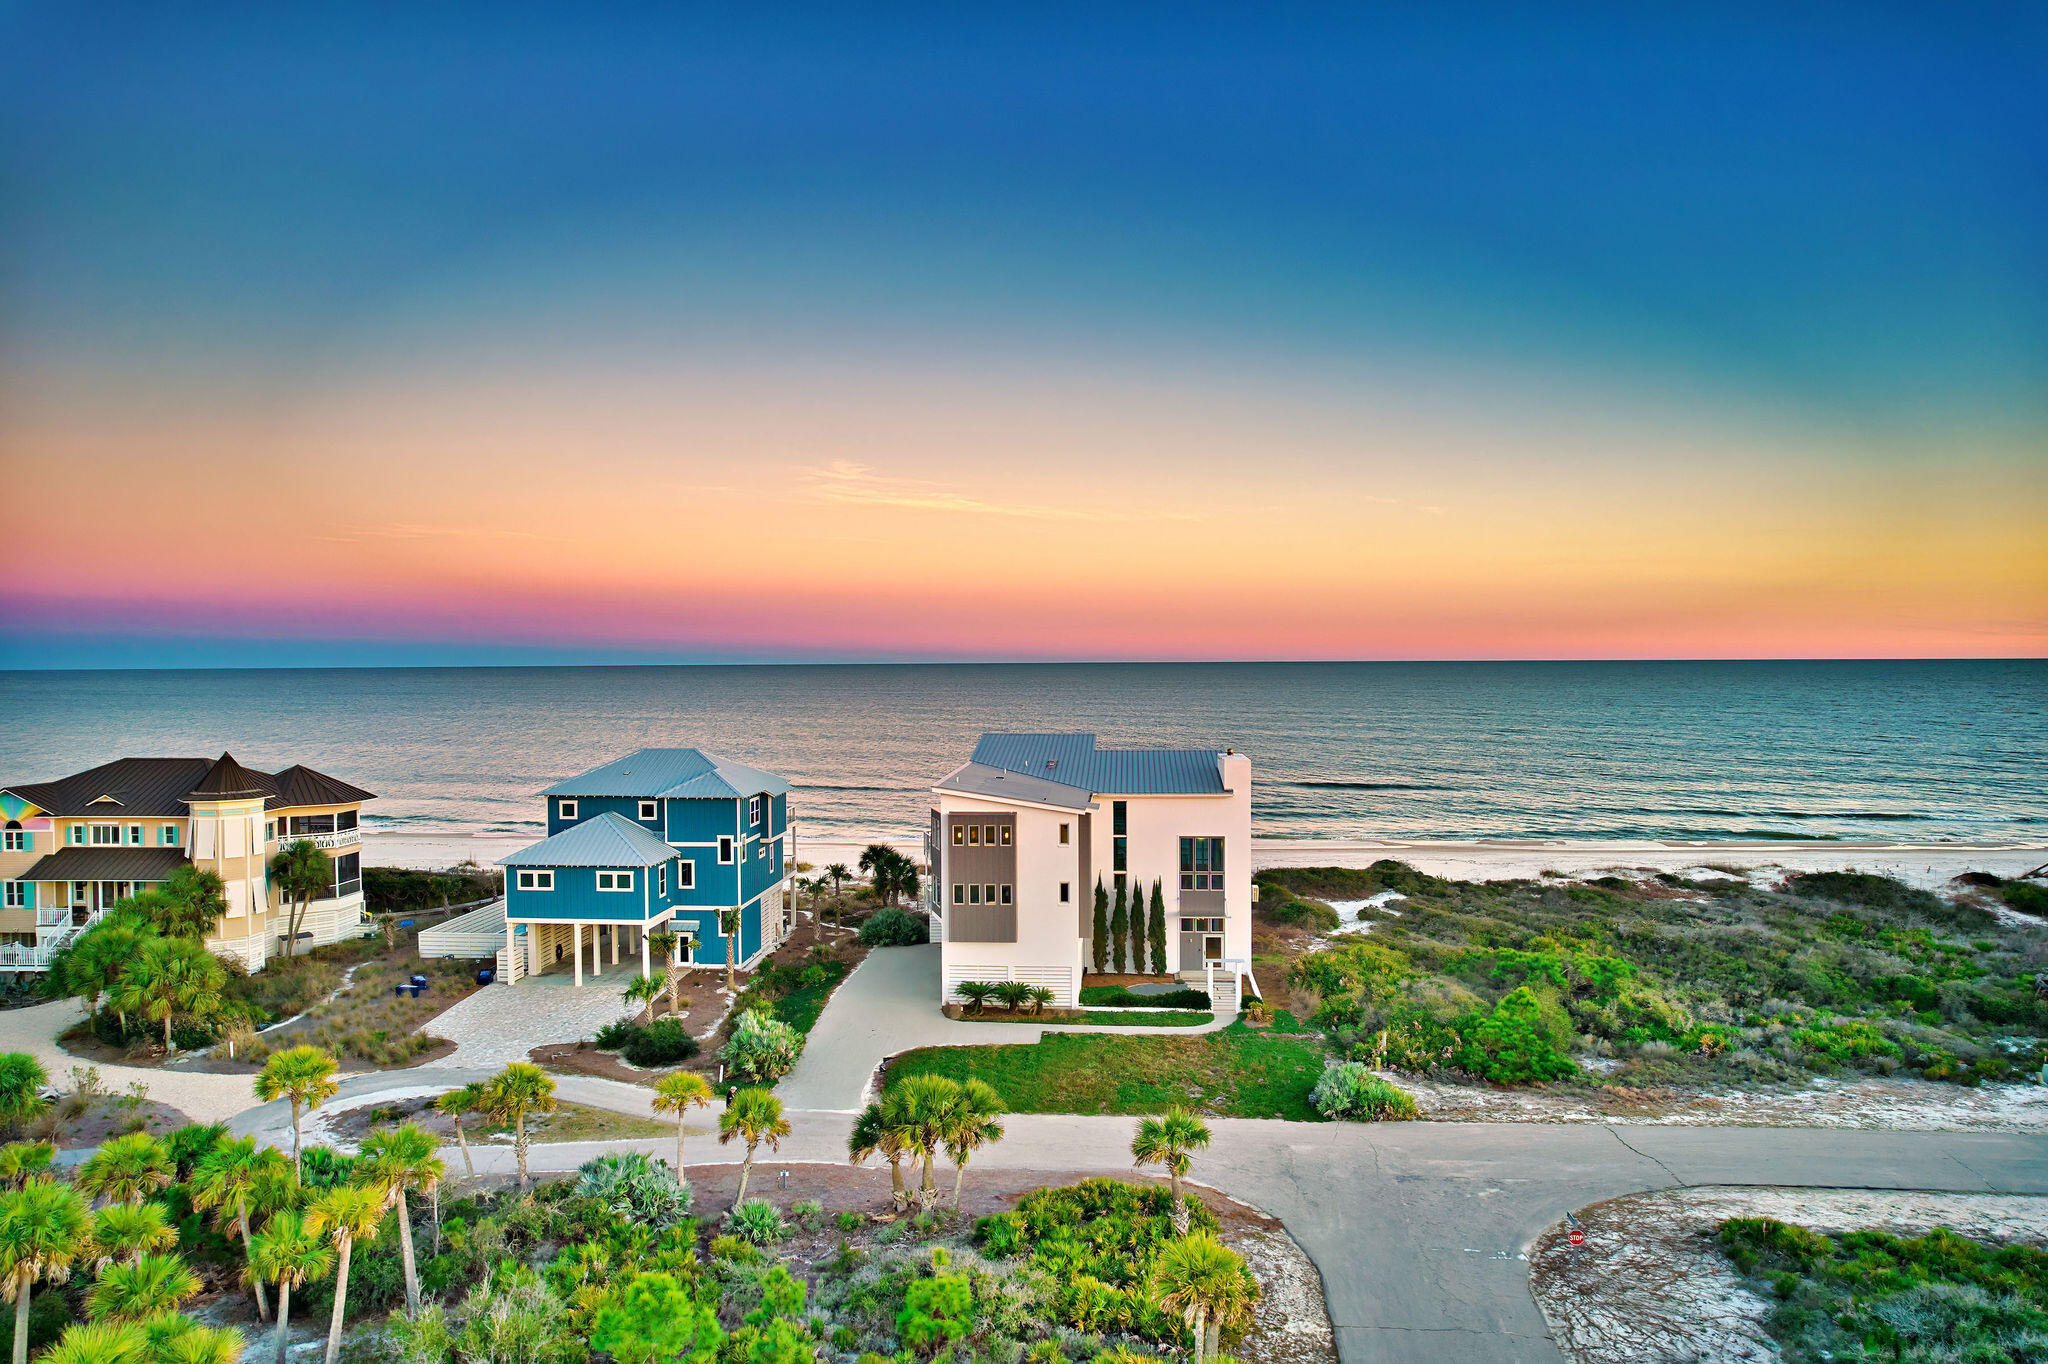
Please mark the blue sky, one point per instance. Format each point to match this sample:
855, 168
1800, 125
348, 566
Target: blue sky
1816, 239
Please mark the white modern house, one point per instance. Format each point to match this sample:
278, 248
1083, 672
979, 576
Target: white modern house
1022, 833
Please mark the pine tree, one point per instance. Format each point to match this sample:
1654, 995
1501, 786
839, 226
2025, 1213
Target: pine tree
1158, 933
1137, 928
1119, 928
1099, 939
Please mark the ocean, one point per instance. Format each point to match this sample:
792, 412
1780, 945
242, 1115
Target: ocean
1920, 751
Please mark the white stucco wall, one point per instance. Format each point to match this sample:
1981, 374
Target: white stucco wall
1048, 948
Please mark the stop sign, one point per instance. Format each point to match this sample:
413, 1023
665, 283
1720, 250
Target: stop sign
1578, 1237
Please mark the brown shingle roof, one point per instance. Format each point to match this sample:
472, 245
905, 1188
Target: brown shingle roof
229, 780
298, 786
146, 787
107, 864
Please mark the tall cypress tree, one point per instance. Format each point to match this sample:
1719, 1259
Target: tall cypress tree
1137, 928
1099, 939
1119, 928
1158, 933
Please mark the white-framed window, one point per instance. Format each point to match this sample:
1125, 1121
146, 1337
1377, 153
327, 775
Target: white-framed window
169, 836
1201, 925
650, 809
761, 851
754, 811
14, 840
536, 880
989, 896
106, 835
1064, 835
959, 893
1066, 892
1006, 835
725, 848
78, 835
959, 835
567, 809
270, 831
661, 879
686, 874
1201, 864
988, 834
134, 835
974, 835
17, 894
615, 880
973, 894
1006, 896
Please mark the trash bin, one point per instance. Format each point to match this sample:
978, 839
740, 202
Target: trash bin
486, 976
398, 991
419, 982
415, 990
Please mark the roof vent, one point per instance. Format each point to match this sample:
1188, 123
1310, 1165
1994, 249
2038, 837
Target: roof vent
1051, 763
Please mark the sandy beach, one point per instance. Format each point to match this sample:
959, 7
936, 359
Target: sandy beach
1920, 864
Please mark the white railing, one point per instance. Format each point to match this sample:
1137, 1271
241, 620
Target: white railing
12, 955
341, 838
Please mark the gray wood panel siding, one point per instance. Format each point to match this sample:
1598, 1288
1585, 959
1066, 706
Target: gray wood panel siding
1207, 903
978, 863
1084, 884
981, 923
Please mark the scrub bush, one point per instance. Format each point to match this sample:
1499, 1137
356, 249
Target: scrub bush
894, 928
632, 1187
1301, 914
757, 1221
1116, 996
664, 1042
1349, 1091
761, 1048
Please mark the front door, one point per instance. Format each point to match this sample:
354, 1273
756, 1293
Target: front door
1212, 948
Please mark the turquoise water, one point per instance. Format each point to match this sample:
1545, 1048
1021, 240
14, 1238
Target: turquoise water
1912, 750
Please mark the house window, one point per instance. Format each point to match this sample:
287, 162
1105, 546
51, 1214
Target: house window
973, 895
989, 896
170, 836
761, 852
1006, 835
106, 835
17, 894
754, 811
1120, 852
1066, 892
1201, 864
1006, 895
134, 835
1063, 833
974, 835
14, 840
959, 835
536, 880
725, 848
988, 834
567, 809
1118, 809
650, 809
615, 880
1201, 925
686, 874
78, 835
959, 893
661, 879
270, 831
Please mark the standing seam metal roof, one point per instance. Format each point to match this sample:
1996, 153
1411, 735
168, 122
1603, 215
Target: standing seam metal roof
1075, 760
672, 773
608, 840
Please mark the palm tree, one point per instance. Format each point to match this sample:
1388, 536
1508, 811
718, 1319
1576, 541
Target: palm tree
925, 1101
645, 990
839, 873
225, 1180
663, 941
456, 1103
977, 993
188, 904
401, 1159
170, 977
99, 1342
345, 1214
970, 1125
91, 967
1170, 1141
305, 1075
287, 1254
21, 1161
729, 929
880, 1127
123, 1233
135, 1292
1040, 997
44, 1230
22, 1079
1204, 1280
755, 1116
127, 1170
518, 1091
173, 1339
302, 874
677, 1094
1013, 994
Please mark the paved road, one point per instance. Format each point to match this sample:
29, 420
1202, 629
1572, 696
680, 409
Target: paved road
1420, 1229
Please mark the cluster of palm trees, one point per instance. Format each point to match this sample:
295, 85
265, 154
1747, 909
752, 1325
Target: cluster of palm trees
891, 873
919, 1117
1011, 994
1195, 1274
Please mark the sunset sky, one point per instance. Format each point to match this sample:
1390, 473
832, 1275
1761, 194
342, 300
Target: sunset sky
759, 333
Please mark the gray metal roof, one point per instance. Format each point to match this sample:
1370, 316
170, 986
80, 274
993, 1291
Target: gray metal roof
606, 840
979, 779
159, 787
1074, 759
107, 864
672, 773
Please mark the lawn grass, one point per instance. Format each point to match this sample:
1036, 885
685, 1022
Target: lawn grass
800, 1008
580, 1122
1235, 1073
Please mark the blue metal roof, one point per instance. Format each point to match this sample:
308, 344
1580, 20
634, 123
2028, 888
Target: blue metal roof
1074, 760
672, 773
606, 840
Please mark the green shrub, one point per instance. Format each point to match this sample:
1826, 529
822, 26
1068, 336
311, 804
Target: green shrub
1118, 997
761, 1048
664, 1042
1301, 914
736, 1249
1861, 888
1517, 1043
894, 928
633, 1188
936, 1311
1349, 1091
2026, 898
757, 1221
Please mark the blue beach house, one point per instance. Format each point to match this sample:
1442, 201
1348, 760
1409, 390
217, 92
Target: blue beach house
663, 838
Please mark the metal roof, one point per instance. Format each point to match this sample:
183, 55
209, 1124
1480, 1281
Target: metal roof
159, 786
106, 864
979, 779
229, 780
672, 773
1074, 759
607, 840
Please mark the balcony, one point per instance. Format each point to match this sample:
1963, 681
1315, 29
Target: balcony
14, 957
339, 838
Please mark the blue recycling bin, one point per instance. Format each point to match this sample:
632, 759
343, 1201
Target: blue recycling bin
486, 976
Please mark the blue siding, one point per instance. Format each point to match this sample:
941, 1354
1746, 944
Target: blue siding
576, 896
589, 807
